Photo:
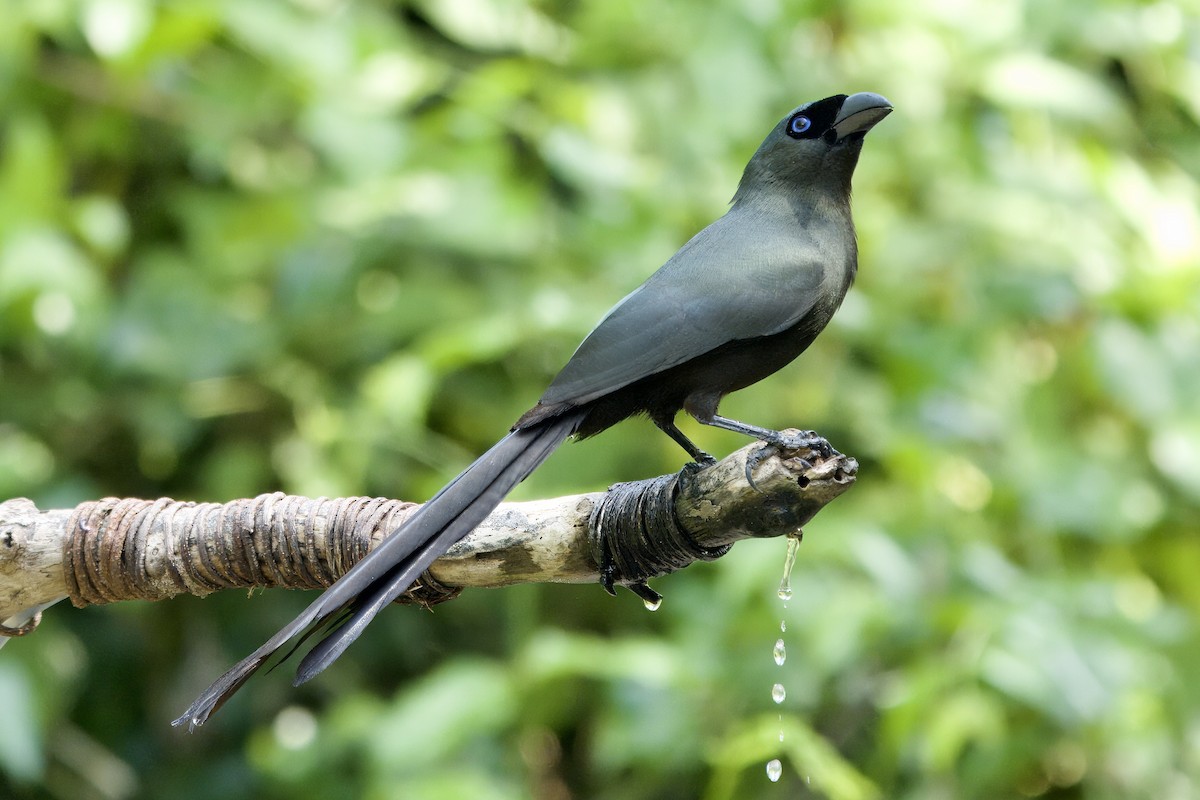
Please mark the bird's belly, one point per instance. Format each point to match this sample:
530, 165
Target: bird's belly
701, 382
739, 364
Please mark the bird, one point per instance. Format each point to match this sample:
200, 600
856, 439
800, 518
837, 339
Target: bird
740, 300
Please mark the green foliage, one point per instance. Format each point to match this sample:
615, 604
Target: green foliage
336, 248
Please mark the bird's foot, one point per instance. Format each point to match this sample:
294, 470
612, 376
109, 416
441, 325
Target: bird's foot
693, 468
761, 454
804, 440
788, 442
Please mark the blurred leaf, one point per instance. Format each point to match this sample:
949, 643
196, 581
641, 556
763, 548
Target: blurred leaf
337, 248
21, 754
818, 767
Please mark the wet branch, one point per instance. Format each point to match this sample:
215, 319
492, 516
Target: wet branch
120, 549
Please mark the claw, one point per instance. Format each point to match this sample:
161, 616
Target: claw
822, 447
760, 455
755, 458
689, 471
703, 461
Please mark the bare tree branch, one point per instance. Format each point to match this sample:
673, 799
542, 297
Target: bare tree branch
113, 549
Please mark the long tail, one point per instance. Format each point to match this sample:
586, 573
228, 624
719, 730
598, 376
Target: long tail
386, 572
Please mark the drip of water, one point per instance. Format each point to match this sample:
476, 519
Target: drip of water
779, 652
652, 605
789, 561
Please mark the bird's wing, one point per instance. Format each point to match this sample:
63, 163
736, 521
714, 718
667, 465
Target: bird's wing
737, 279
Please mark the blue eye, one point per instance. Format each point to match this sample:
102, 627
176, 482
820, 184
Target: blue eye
798, 125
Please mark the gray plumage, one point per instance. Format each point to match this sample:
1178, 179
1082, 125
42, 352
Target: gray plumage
739, 301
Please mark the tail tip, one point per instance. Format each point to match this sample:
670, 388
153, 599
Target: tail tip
303, 676
192, 718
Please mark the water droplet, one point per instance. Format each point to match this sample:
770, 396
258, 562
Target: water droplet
783, 626
774, 769
781, 734
789, 561
780, 652
778, 693
652, 605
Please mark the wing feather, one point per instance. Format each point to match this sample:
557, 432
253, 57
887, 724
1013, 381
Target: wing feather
739, 278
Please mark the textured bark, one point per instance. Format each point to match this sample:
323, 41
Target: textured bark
274, 540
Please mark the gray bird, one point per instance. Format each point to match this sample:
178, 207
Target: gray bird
742, 299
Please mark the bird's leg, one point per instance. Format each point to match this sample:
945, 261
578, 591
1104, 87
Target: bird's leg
699, 456
799, 441
703, 408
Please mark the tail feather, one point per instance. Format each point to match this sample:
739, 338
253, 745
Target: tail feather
488, 492
386, 572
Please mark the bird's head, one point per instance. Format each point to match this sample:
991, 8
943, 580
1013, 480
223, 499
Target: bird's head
816, 146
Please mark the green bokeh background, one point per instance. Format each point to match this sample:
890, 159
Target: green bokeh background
336, 248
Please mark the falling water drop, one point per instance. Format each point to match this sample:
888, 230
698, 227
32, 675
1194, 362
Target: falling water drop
779, 652
789, 561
